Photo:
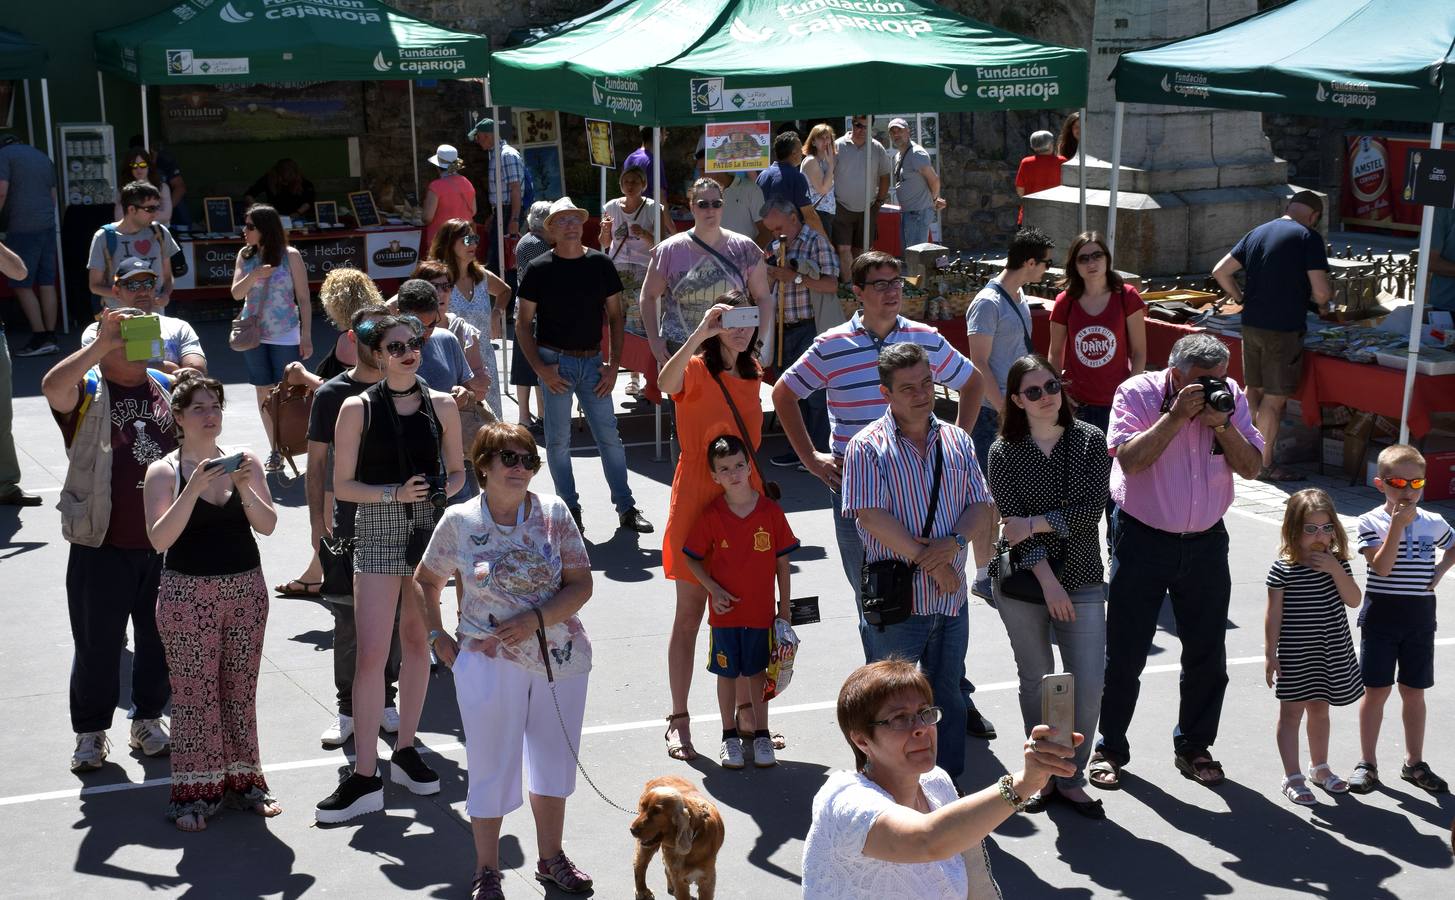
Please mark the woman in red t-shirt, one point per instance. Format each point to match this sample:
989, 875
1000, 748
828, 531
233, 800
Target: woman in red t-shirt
1104, 319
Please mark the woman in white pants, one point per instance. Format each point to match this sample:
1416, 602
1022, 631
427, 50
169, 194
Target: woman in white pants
526, 574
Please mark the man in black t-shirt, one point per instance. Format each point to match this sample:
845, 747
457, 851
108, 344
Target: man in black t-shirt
562, 300
327, 401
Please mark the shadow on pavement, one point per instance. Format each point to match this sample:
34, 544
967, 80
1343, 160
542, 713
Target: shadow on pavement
779, 800
1388, 831
626, 556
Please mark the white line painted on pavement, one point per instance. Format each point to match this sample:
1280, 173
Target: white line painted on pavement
456, 746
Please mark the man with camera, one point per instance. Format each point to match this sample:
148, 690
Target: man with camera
136, 283
1177, 436
915, 489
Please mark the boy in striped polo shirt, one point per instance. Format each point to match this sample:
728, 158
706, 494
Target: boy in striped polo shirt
1397, 620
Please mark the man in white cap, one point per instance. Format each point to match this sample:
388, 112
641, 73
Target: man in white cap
916, 185
564, 297
135, 286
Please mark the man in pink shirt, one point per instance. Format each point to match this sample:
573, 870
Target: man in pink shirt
1172, 480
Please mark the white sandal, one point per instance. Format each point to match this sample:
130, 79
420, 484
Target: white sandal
1295, 789
1328, 780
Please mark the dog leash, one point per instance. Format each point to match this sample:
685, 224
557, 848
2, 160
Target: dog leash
560, 717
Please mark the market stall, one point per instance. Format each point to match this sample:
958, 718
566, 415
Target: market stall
1386, 59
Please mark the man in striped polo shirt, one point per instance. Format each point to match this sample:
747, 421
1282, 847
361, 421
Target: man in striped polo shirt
843, 363
891, 468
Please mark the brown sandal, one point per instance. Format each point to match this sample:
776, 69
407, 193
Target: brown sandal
677, 748
1201, 768
1104, 773
747, 733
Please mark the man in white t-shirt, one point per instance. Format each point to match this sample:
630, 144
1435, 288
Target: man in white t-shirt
136, 234
135, 286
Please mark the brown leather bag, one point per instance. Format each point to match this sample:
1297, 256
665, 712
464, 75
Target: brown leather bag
287, 408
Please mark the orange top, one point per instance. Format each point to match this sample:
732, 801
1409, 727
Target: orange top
702, 417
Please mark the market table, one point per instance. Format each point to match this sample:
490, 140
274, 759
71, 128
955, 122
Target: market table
387, 254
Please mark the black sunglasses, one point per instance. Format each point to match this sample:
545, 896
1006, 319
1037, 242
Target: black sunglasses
705, 204
151, 209
471, 240
512, 458
397, 349
1053, 387
138, 284
858, 125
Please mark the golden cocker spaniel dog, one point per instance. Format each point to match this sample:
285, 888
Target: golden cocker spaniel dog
674, 816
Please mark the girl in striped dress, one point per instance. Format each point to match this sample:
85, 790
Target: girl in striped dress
1308, 650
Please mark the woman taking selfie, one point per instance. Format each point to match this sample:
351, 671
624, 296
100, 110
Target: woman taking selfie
518, 651
893, 827
475, 295
271, 278
202, 507
1049, 474
716, 363
398, 456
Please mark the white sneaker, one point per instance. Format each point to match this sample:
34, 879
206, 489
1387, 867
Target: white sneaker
763, 756
337, 732
390, 723
731, 754
150, 737
91, 750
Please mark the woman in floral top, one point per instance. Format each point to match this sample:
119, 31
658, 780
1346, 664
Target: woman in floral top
525, 571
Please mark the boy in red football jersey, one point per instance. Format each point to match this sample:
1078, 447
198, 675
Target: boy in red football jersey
737, 549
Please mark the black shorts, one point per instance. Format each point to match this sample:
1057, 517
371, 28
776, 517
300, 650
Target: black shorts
737, 652
1409, 649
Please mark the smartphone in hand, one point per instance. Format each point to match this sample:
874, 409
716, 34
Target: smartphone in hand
1058, 705
228, 464
740, 317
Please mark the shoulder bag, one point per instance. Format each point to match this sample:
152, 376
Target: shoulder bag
770, 488
288, 407
1022, 584
886, 587
246, 332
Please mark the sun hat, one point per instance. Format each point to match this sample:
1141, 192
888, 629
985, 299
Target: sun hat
445, 156
564, 205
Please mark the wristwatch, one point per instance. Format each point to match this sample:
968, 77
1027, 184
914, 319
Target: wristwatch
388, 495
798, 279
959, 539
434, 635
1220, 428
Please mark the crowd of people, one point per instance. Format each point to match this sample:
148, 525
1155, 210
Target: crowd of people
414, 482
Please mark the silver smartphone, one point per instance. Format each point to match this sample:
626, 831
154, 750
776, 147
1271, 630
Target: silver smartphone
1058, 705
228, 463
740, 317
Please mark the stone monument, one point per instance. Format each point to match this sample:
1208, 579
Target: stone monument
1193, 181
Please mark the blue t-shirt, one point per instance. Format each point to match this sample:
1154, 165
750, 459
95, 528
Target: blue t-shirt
1442, 241
28, 204
1007, 320
442, 363
787, 182
1277, 257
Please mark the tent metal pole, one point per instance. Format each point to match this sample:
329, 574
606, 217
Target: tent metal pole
29, 124
602, 207
505, 346
146, 130
1116, 171
413, 137
1081, 163
657, 235
1417, 314
50, 150
101, 94
869, 166
500, 189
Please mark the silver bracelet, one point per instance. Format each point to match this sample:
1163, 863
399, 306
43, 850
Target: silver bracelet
1008, 794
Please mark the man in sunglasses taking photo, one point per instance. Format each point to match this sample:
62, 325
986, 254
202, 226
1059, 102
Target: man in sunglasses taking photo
135, 286
136, 235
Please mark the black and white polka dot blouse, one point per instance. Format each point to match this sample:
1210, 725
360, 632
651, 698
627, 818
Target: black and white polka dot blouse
1069, 488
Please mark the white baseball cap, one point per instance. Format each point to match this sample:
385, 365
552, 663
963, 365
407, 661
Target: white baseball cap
898, 123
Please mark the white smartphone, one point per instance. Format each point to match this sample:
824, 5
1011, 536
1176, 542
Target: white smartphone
1058, 705
740, 317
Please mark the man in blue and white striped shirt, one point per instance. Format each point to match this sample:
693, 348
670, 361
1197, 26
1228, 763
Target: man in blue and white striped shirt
888, 474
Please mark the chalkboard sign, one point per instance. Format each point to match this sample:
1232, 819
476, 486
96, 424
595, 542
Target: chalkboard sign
327, 211
1430, 177
365, 213
219, 215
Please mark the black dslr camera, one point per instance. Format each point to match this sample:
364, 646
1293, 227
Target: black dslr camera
1216, 392
437, 496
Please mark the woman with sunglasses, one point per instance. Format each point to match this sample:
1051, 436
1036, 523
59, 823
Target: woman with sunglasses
398, 456
1101, 320
1049, 474
689, 271
272, 280
139, 165
519, 654
473, 294
894, 827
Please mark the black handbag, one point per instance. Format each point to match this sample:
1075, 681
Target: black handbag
770, 488
1022, 584
886, 587
336, 555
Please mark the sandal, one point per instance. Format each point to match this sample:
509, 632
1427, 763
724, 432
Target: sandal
747, 733
676, 747
1295, 789
1201, 768
1365, 778
1420, 776
267, 808
274, 463
1328, 780
306, 590
560, 871
1104, 773
192, 823
486, 885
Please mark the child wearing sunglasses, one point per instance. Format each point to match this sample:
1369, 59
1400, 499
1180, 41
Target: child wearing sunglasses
1307, 646
1397, 621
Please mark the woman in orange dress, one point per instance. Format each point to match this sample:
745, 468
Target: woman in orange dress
712, 356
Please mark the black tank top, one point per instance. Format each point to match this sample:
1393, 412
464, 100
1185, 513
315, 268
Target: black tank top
216, 541
417, 434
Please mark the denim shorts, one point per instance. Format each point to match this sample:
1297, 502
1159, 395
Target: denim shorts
37, 249
737, 652
266, 362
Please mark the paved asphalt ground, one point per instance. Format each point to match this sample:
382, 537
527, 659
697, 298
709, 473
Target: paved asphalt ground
104, 834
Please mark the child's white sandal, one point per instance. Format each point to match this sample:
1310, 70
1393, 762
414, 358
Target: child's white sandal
1328, 780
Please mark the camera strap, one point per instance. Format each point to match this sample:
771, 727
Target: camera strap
934, 490
406, 470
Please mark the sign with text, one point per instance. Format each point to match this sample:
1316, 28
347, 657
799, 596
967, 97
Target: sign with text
327, 212
218, 211
1430, 177
365, 212
738, 146
1374, 177
261, 112
392, 254
324, 254
598, 143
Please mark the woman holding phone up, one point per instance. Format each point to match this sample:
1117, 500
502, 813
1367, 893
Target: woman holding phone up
398, 456
202, 508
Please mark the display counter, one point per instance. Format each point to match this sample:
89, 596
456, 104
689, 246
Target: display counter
387, 254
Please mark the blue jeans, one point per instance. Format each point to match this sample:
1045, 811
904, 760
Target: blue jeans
914, 226
1147, 565
582, 374
851, 555
798, 340
983, 434
938, 644
267, 361
1083, 654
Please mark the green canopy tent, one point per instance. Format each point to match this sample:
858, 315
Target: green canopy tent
250, 41
1386, 59
690, 62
